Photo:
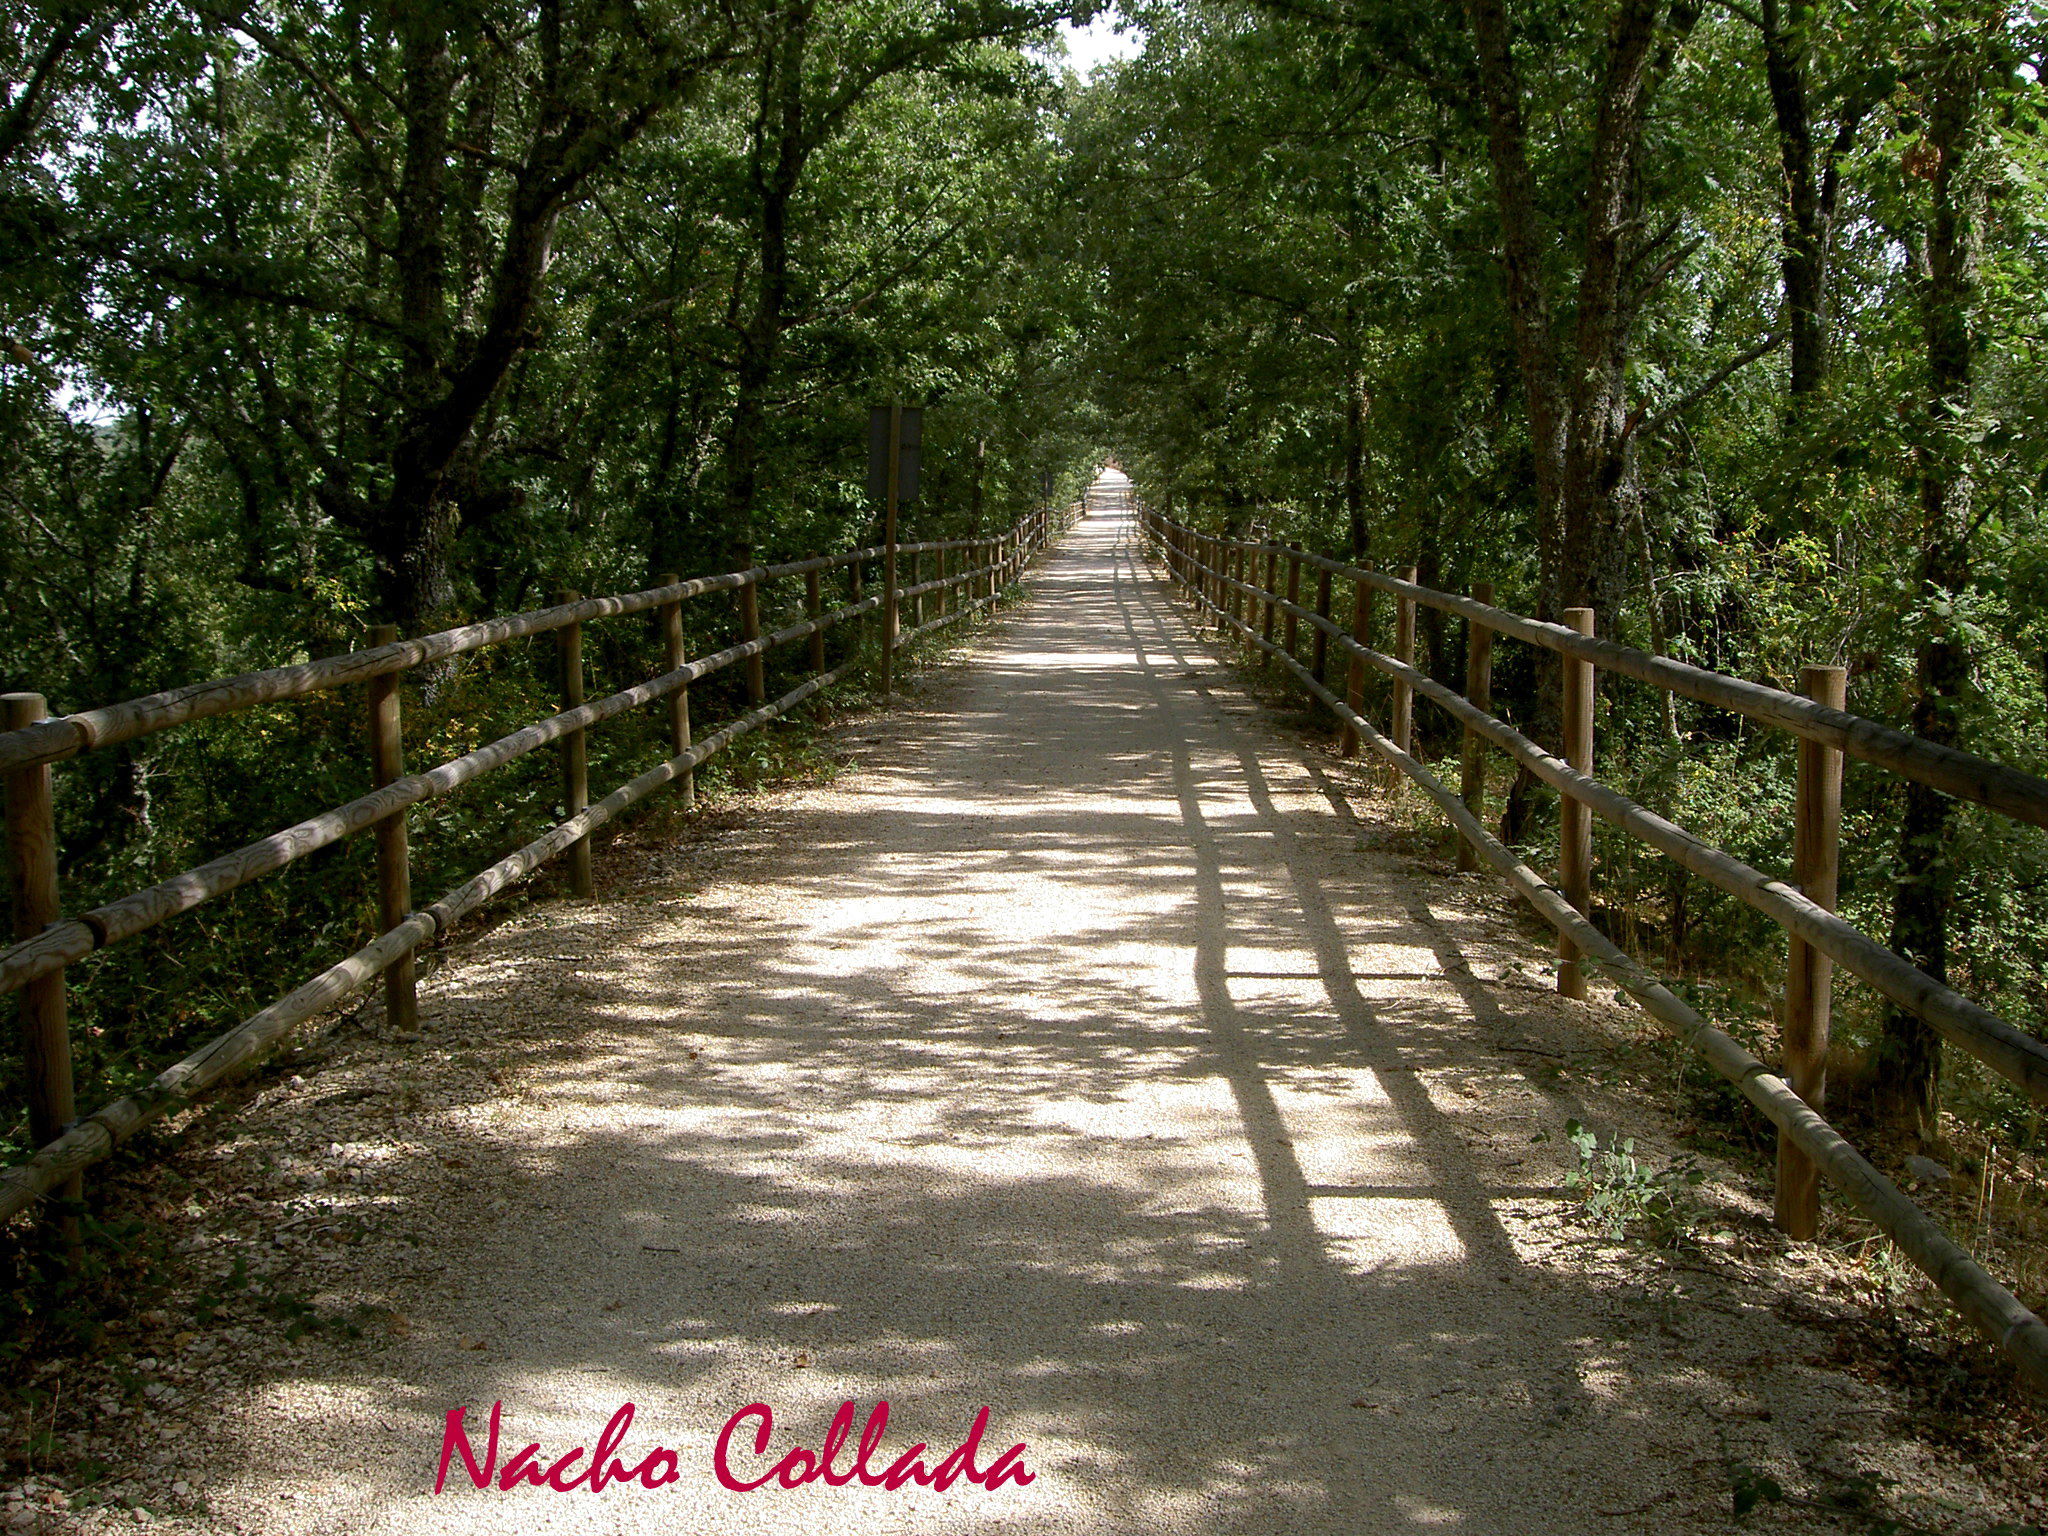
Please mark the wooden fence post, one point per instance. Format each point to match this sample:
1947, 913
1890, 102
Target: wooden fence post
749, 598
1320, 646
673, 655
1291, 631
814, 608
1479, 694
575, 747
1809, 975
1271, 588
856, 591
917, 579
44, 1010
1403, 722
891, 508
394, 858
1575, 821
1363, 594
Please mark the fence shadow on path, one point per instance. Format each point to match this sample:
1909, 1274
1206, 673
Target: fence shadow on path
1070, 1058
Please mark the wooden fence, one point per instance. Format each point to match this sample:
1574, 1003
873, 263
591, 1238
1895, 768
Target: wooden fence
1248, 589
968, 575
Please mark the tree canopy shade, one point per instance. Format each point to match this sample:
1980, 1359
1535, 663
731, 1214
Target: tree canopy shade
1724, 319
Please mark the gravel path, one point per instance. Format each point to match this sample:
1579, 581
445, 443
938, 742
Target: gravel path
1081, 1054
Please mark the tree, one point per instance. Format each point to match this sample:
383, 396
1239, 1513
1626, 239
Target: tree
813, 65
1580, 424
1963, 56
444, 144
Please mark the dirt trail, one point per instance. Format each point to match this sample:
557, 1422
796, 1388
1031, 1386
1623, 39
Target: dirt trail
1080, 1055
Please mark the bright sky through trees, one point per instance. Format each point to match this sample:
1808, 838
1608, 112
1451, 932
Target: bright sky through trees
1100, 42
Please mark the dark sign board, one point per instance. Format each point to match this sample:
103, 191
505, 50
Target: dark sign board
911, 440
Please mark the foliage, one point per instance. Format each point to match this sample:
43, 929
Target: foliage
1616, 1190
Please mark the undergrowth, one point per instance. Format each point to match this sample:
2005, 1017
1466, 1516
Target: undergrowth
1619, 1193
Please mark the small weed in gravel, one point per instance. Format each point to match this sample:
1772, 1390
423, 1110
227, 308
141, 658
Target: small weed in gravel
1616, 1190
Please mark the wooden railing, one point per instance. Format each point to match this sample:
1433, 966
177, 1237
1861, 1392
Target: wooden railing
1240, 586
965, 575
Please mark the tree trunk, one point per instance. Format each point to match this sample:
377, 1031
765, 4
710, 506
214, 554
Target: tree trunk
1600, 489
1909, 1051
1354, 466
779, 153
1514, 185
414, 536
1802, 218
1584, 457
1578, 425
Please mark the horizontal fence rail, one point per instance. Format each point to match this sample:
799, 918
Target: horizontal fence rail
1964, 775
1239, 584
972, 575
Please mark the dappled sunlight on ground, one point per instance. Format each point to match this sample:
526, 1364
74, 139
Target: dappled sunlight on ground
1068, 1058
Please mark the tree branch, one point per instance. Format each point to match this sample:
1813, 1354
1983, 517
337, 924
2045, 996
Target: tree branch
1637, 423
240, 20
